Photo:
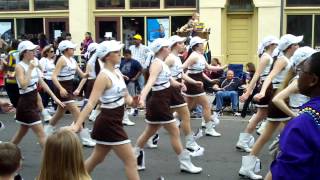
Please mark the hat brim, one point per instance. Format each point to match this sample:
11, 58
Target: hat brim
180, 39
33, 47
298, 39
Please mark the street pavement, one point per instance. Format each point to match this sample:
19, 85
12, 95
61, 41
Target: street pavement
220, 161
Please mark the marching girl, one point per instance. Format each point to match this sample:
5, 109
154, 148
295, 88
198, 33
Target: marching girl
296, 100
28, 75
108, 132
89, 81
62, 77
158, 112
288, 44
265, 50
195, 95
178, 103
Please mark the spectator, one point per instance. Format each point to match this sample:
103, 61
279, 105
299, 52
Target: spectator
86, 42
43, 42
63, 158
11, 85
67, 36
250, 68
47, 65
10, 161
140, 53
228, 88
132, 69
214, 74
3, 45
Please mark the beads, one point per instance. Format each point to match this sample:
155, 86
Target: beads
312, 112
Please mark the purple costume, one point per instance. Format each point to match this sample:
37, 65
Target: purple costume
299, 158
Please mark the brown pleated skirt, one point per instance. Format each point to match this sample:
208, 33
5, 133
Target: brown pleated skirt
89, 87
69, 87
192, 89
274, 113
177, 99
108, 128
27, 109
264, 102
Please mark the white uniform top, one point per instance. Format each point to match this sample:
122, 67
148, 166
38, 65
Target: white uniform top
199, 66
47, 66
163, 79
68, 70
32, 85
114, 96
176, 68
297, 100
92, 63
267, 69
276, 82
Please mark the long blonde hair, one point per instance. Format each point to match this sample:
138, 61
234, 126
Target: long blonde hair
63, 158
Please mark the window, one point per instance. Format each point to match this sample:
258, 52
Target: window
8, 5
29, 28
179, 21
145, 3
317, 33
180, 3
131, 26
6, 29
300, 25
109, 4
51, 4
303, 2
240, 6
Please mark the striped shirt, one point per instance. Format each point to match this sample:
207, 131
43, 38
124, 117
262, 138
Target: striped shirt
139, 53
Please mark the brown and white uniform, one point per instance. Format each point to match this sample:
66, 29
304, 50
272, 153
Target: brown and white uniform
274, 113
108, 128
264, 102
158, 104
65, 78
92, 76
27, 108
177, 99
195, 72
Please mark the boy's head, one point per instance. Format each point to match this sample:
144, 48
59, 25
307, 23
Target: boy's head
127, 54
10, 159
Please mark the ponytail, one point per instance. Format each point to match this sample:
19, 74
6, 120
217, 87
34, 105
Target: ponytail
97, 67
57, 58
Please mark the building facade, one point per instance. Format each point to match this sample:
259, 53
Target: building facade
236, 25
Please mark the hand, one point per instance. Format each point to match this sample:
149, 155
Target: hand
199, 83
76, 92
126, 78
244, 97
135, 101
6, 107
133, 79
141, 102
183, 87
85, 75
33, 64
59, 102
63, 92
73, 127
259, 96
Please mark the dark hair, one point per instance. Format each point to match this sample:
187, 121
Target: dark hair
217, 60
91, 54
57, 58
315, 63
127, 51
190, 50
89, 33
97, 67
10, 157
251, 67
68, 34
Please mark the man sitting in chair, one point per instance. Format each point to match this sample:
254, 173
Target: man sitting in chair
227, 88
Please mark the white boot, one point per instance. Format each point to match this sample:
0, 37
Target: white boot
215, 118
126, 121
262, 127
139, 154
198, 134
193, 147
249, 167
152, 142
210, 131
251, 141
46, 115
48, 129
86, 138
243, 142
94, 114
186, 164
176, 117
203, 123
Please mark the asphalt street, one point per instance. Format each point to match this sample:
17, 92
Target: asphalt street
220, 161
